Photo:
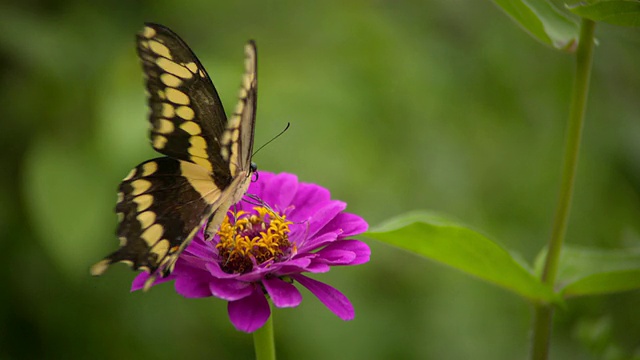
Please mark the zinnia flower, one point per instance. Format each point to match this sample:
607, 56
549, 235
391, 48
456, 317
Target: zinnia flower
256, 252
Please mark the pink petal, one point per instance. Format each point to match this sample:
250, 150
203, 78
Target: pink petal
299, 263
348, 224
201, 249
317, 267
313, 243
336, 256
257, 274
279, 190
187, 260
330, 297
282, 293
215, 270
324, 215
333, 252
229, 289
192, 287
305, 207
249, 313
138, 282
283, 188
308, 196
292, 266
257, 187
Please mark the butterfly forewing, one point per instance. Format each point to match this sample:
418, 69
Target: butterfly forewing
187, 117
163, 202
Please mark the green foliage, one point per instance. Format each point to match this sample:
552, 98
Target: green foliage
441, 239
616, 12
582, 271
542, 20
588, 271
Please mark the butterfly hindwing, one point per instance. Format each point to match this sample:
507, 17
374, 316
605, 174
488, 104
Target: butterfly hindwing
237, 139
163, 202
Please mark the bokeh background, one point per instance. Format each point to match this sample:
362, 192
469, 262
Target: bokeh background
394, 106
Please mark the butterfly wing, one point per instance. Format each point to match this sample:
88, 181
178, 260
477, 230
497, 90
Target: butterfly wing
237, 139
186, 114
161, 205
163, 202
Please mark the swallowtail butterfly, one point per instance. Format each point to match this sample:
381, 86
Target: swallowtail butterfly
163, 202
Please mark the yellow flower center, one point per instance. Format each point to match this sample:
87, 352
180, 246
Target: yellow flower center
253, 240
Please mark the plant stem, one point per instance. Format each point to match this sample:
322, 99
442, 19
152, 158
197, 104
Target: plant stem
263, 341
544, 312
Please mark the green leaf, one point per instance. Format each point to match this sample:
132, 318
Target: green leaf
616, 12
604, 283
588, 271
441, 239
542, 20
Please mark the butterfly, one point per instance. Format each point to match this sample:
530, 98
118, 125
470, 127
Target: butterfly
163, 202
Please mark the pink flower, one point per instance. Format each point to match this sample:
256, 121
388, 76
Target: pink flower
257, 253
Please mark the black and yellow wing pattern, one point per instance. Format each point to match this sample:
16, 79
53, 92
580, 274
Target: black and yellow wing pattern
163, 202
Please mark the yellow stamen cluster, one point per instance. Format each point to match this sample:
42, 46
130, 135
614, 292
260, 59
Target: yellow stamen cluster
252, 239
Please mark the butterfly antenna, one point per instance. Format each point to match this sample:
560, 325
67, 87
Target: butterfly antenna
252, 199
275, 137
257, 201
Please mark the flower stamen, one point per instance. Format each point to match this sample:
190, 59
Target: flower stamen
253, 240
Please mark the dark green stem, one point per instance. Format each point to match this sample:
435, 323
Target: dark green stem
263, 341
544, 312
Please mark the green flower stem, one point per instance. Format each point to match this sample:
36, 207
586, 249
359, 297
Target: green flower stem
544, 312
263, 342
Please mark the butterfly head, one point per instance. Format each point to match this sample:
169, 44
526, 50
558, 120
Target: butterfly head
253, 169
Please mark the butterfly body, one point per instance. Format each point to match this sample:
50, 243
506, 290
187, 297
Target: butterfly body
163, 202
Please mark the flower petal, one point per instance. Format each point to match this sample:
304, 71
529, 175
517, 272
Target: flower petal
292, 266
330, 297
323, 215
193, 286
249, 313
200, 248
308, 199
138, 282
190, 262
336, 256
229, 289
214, 269
310, 194
337, 253
257, 274
276, 190
340, 226
347, 224
257, 187
317, 267
281, 189
282, 293
311, 243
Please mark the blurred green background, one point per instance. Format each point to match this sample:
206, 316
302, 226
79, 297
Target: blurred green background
394, 105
